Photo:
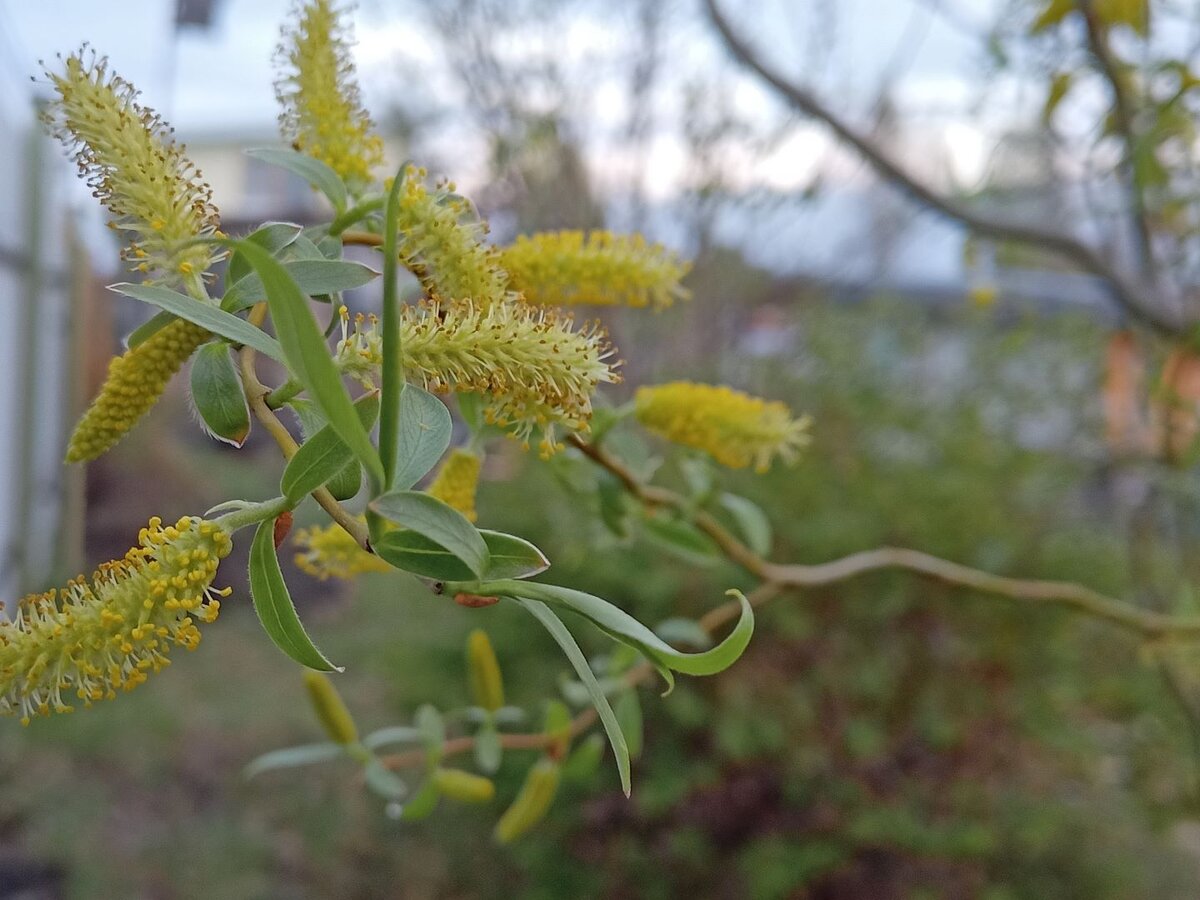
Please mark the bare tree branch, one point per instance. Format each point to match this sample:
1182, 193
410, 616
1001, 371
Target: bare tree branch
1123, 118
1132, 297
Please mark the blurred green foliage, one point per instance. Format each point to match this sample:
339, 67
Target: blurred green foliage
885, 737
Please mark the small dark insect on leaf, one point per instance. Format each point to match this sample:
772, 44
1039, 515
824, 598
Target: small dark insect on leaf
283, 525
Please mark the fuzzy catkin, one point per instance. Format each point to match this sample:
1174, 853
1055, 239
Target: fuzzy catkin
101, 635
135, 381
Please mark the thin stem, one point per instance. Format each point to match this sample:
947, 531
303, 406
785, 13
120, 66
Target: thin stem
284, 393
354, 214
254, 513
256, 396
1068, 595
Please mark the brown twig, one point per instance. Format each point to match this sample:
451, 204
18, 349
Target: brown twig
256, 396
1135, 299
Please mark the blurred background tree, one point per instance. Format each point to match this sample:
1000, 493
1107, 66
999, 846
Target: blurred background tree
1008, 383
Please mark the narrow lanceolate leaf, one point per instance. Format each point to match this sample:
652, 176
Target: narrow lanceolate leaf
681, 539
512, 557
289, 757
629, 713
324, 455
205, 315
423, 436
273, 237
308, 357
440, 523
274, 605
412, 552
315, 172
625, 628
382, 780
508, 556
315, 277
579, 662
217, 394
752, 522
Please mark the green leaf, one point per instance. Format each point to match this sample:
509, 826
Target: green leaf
289, 757
314, 277
440, 523
623, 627
608, 718
274, 605
311, 170
383, 781
205, 315
629, 713
217, 394
393, 734
308, 356
149, 328
752, 523
683, 631
424, 435
272, 237
324, 455
509, 556
681, 539
423, 803
415, 553
488, 750
512, 557
391, 377
432, 727
584, 760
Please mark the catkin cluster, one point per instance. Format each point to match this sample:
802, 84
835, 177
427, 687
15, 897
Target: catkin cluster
570, 268
323, 115
101, 635
126, 154
736, 429
537, 371
135, 381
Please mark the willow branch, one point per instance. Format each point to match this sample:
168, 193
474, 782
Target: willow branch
1123, 119
1133, 298
711, 622
370, 239
1064, 594
256, 397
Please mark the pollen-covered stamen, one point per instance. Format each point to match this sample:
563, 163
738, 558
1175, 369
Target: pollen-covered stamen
322, 113
736, 429
126, 154
100, 635
538, 372
570, 268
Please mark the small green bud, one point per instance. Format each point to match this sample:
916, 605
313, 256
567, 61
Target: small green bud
531, 804
330, 709
487, 684
464, 786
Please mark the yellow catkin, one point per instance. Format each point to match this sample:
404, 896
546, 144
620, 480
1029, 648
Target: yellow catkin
537, 370
736, 429
323, 115
329, 552
532, 803
104, 634
466, 787
569, 268
135, 381
487, 684
126, 154
457, 480
442, 242
331, 711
